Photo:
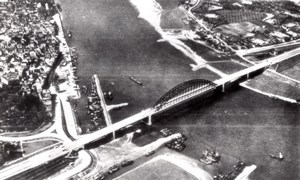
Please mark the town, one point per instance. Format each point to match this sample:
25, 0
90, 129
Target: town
246, 24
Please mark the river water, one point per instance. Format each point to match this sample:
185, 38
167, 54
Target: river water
114, 43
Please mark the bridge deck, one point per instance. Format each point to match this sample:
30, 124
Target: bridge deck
114, 127
268, 48
265, 64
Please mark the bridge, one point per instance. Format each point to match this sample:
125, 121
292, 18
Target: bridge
178, 95
195, 88
262, 50
183, 92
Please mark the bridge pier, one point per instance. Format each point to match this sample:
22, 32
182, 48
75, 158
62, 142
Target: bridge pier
276, 67
114, 135
149, 120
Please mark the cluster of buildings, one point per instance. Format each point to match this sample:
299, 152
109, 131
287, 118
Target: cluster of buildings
244, 24
28, 45
260, 39
213, 40
68, 82
33, 56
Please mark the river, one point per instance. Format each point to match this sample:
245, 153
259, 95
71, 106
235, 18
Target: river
115, 44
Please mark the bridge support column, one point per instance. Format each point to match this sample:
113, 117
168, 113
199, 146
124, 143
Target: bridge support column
276, 67
223, 87
22, 150
114, 135
149, 120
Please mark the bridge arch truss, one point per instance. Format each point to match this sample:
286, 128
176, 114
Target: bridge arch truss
183, 92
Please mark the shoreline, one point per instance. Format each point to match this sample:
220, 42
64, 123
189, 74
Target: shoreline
152, 16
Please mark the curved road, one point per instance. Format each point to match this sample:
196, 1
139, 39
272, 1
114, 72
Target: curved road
47, 132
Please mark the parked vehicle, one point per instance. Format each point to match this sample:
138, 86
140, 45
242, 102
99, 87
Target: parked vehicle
150, 153
58, 7
126, 163
113, 169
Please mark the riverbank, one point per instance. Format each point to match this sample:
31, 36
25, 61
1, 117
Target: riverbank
113, 154
129, 50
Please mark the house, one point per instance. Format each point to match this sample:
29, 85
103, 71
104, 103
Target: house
8, 77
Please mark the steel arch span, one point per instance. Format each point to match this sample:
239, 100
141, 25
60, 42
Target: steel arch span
200, 85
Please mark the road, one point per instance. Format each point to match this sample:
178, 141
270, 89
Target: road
264, 64
47, 133
196, 5
70, 119
267, 48
84, 160
48, 153
61, 106
68, 147
30, 162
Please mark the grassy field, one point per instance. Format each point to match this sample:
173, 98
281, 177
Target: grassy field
160, 170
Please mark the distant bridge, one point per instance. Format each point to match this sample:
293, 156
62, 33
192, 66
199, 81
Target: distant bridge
262, 50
